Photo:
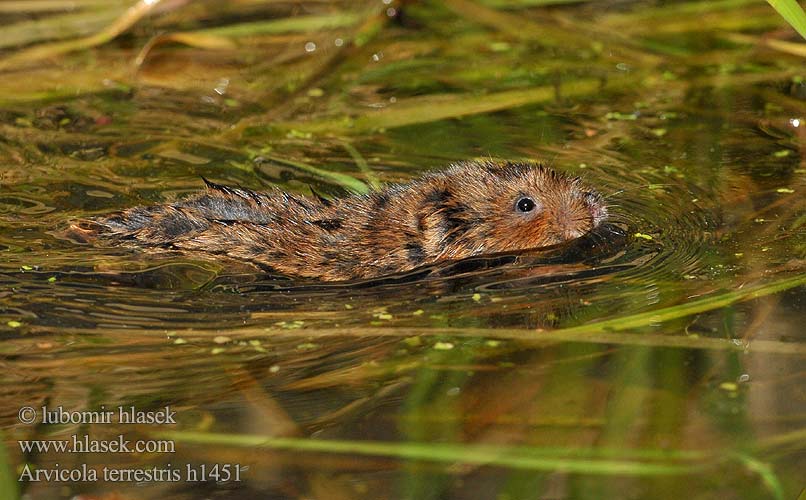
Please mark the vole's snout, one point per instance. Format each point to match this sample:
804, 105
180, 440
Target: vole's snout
577, 214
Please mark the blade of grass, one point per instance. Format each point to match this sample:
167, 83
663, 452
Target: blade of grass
766, 473
341, 179
131, 16
792, 12
198, 40
440, 107
687, 309
58, 26
516, 458
296, 24
27, 7
362, 165
8, 483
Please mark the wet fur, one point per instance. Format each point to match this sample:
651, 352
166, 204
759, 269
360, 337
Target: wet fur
467, 209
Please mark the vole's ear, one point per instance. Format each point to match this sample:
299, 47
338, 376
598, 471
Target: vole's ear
218, 187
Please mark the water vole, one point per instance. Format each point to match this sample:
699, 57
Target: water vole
470, 208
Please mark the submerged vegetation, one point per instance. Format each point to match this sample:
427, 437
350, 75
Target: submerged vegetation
667, 364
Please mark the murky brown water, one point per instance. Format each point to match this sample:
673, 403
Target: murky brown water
660, 358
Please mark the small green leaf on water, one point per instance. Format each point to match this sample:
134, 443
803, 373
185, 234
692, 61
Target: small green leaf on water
492, 343
348, 306
443, 346
52, 279
476, 297
296, 134
643, 236
615, 115
728, 386
180, 341
383, 315
784, 190
217, 350
307, 346
316, 92
783, 153
27, 268
418, 312
14, 324
412, 341
221, 339
659, 132
290, 325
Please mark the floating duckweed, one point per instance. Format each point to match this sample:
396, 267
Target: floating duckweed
180, 341
476, 297
307, 346
274, 369
254, 343
384, 315
348, 306
412, 341
615, 115
290, 325
418, 312
492, 343
26, 268
217, 350
658, 132
443, 346
14, 324
500, 46
221, 339
52, 279
643, 236
728, 386
782, 153
784, 190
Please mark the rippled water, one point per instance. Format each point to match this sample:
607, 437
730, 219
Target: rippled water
659, 357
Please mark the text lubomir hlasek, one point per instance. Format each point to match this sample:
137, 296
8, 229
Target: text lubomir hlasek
120, 415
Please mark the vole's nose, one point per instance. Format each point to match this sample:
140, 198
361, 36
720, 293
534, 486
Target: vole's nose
567, 218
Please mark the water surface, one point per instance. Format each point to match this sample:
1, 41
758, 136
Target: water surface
659, 360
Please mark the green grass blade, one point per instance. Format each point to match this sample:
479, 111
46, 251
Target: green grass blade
792, 12
688, 308
343, 180
513, 457
8, 483
432, 108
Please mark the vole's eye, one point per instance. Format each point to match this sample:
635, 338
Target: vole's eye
525, 204
590, 197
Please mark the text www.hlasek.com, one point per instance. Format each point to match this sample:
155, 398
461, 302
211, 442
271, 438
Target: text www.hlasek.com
83, 444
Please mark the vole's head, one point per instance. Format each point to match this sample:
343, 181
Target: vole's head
518, 206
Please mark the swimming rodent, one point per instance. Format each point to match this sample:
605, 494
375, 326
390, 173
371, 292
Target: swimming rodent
470, 208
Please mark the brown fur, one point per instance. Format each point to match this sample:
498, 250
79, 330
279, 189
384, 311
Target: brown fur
468, 209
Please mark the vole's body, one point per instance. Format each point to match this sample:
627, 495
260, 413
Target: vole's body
468, 209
